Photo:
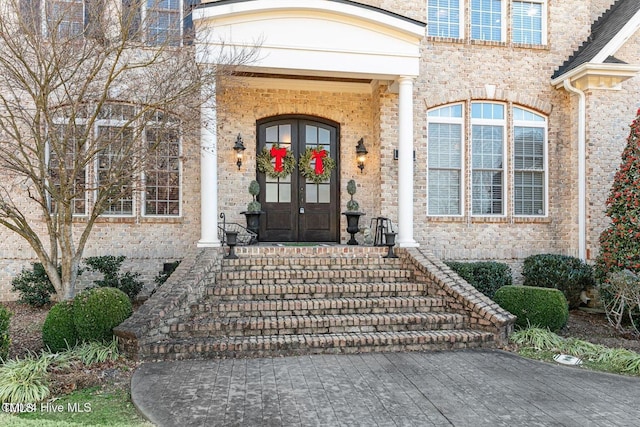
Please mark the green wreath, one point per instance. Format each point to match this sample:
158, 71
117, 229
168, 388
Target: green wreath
309, 173
265, 165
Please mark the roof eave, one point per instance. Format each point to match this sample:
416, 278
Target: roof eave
597, 76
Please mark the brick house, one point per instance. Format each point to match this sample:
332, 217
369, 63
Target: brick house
493, 127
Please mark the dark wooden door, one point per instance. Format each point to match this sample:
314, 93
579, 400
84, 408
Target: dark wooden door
297, 210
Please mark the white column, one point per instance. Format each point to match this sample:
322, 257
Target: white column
405, 163
208, 173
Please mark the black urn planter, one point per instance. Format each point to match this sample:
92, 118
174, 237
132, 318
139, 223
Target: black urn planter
352, 225
253, 221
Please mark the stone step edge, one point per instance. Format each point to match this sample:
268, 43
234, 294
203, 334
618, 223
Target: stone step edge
313, 288
319, 303
296, 342
326, 320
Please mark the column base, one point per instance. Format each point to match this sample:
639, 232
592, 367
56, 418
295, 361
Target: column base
409, 244
209, 244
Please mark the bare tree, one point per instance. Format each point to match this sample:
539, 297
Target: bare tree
64, 70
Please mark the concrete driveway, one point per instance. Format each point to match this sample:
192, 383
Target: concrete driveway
459, 388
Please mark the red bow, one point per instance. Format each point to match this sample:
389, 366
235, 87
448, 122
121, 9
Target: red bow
318, 156
278, 154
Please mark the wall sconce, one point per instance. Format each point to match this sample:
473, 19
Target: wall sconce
239, 148
361, 153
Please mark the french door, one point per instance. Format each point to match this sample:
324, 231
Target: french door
297, 209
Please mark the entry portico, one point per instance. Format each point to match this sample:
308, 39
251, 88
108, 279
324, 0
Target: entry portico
316, 39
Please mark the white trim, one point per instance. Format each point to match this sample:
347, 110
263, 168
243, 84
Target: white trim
597, 76
630, 28
302, 84
347, 10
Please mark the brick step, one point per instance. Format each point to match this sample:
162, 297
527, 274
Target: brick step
318, 290
325, 263
283, 345
264, 276
319, 306
329, 324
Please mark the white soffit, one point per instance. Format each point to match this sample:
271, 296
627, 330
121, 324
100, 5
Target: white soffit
314, 37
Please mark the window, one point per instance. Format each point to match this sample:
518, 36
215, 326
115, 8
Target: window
63, 18
444, 18
66, 17
501, 158
487, 18
445, 161
529, 163
527, 23
162, 174
68, 172
159, 22
487, 158
119, 139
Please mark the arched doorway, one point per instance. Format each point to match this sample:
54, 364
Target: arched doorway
296, 209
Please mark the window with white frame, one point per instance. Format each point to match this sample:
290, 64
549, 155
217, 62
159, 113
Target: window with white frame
487, 20
444, 18
529, 163
162, 174
66, 143
119, 138
159, 22
445, 137
490, 137
528, 22
487, 158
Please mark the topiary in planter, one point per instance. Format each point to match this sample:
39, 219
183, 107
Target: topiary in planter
254, 190
59, 331
534, 306
568, 274
97, 311
352, 205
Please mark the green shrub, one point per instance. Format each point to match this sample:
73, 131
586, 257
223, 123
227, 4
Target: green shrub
109, 266
565, 273
534, 306
97, 311
487, 277
59, 330
34, 286
5, 339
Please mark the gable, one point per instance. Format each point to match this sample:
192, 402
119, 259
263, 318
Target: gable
312, 37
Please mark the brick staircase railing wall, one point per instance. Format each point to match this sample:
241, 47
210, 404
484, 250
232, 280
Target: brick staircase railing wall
187, 285
461, 297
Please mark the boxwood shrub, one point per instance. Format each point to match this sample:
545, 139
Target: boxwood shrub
568, 274
59, 331
97, 311
534, 306
487, 277
5, 339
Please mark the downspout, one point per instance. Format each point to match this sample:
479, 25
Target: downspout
582, 171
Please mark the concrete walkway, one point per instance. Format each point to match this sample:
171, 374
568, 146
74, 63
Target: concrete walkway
463, 388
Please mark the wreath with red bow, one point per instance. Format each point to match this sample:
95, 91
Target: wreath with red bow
276, 162
316, 165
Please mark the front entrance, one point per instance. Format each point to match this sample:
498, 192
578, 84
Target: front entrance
297, 209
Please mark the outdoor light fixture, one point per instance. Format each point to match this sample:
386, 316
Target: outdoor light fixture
361, 153
239, 148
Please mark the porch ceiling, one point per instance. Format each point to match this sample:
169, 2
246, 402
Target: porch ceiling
331, 38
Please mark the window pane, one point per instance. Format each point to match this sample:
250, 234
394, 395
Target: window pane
529, 193
486, 192
68, 177
486, 20
444, 192
65, 17
528, 148
487, 147
113, 168
324, 193
163, 22
527, 22
443, 18
312, 193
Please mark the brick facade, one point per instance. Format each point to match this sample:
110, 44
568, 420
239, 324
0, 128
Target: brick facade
451, 71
